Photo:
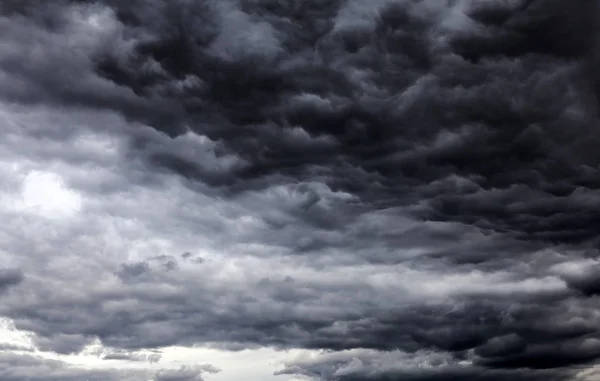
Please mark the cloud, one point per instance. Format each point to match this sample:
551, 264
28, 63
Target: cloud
185, 374
128, 356
19, 367
362, 364
10, 278
509, 102
408, 188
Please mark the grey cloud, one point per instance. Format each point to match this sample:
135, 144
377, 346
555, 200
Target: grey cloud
585, 280
508, 106
4, 347
454, 88
360, 365
10, 278
129, 271
66, 52
185, 374
189, 256
62, 343
387, 175
19, 367
325, 310
127, 356
328, 299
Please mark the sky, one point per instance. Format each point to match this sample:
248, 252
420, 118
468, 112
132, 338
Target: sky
299, 190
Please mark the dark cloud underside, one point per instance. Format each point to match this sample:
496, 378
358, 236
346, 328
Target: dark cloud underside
466, 128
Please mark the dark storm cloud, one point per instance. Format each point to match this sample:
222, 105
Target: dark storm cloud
508, 327
62, 343
404, 94
354, 133
585, 279
362, 366
10, 278
548, 27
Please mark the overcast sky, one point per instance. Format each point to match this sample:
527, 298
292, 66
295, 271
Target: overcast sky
317, 190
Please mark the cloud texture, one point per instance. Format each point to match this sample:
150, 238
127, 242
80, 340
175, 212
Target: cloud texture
401, 189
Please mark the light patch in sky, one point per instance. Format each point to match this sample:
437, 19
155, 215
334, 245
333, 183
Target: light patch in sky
12, 337
590, 374
46, 194
251, 364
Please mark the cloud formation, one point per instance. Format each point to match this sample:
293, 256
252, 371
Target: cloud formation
18, 367
9, 278
404, 189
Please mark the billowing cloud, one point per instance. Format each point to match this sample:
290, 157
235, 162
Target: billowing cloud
399, 189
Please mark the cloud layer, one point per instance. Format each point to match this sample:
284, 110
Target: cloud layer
404, 189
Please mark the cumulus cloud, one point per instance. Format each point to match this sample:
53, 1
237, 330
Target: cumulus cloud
401, 188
